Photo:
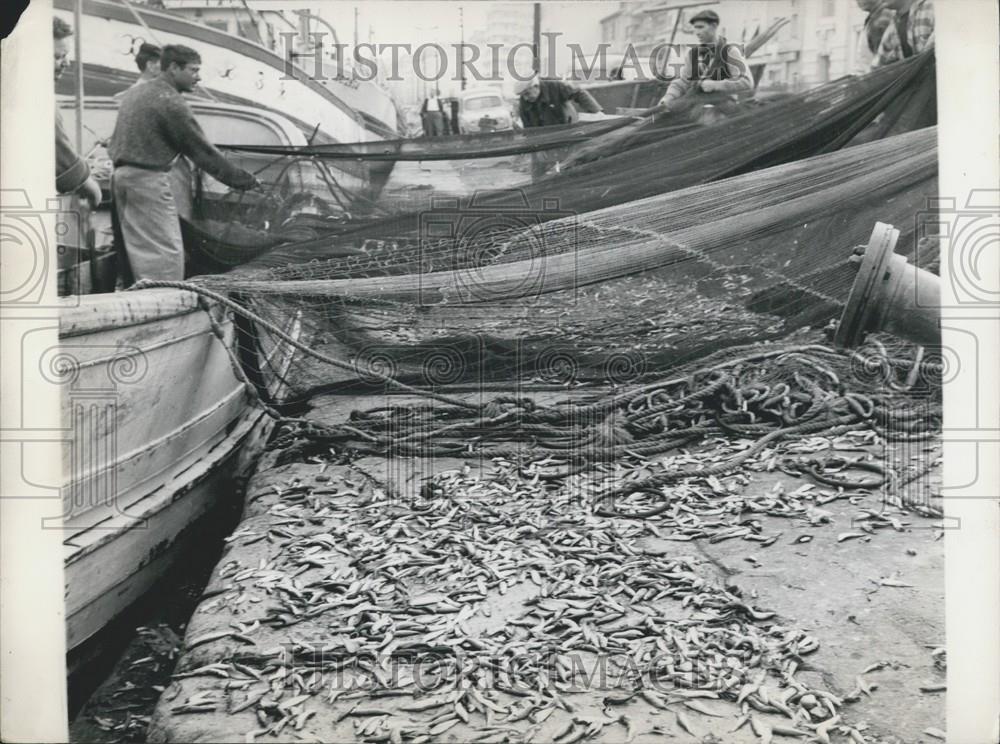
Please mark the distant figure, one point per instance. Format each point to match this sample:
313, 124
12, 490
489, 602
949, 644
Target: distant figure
714, 66
432, 113
147, 59
618, 73
453, 115
878, 19
72, 172
155, 125
911, 32
544, 103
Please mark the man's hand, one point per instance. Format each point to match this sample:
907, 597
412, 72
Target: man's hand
710, 86
249, 183
91, 191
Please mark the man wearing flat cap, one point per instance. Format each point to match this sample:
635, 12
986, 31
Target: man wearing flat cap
713, 66
543, 103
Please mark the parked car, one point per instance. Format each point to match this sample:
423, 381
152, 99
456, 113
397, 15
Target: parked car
483, 110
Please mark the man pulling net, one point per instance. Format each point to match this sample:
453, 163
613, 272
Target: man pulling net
713, 66
544, 103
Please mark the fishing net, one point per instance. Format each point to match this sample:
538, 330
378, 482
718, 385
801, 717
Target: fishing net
650, 242
600, 164
665, 290
619, 292
344, 199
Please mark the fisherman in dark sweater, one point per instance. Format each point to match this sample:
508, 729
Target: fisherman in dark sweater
155, 125
545, 103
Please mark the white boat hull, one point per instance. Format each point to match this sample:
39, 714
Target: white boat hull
236, 71
155, 419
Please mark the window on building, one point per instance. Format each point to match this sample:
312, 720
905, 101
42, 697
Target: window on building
829, 8
793, 26
824, 68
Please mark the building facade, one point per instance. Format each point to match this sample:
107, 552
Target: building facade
235, 17
818, 44
509, 27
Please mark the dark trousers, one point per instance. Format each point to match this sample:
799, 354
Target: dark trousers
434, 124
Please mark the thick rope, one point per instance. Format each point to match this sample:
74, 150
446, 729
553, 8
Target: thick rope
292, 341
840, 425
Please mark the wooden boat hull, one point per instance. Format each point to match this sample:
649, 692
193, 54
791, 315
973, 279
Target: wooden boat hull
155, 420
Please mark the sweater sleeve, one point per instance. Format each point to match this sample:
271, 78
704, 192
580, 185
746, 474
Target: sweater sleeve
522, 113
72, 171
922, 24
583, 100
740, 79
889, 49
680, 84
184, 132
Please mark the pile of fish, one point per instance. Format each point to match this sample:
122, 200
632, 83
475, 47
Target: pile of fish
501, 602
512, 604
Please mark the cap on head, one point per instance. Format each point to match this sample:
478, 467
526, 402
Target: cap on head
708, 16
520, 86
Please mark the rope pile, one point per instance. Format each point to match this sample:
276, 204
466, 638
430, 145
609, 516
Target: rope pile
761, 399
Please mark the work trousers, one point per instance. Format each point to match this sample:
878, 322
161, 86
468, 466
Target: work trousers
435, 124
150, 225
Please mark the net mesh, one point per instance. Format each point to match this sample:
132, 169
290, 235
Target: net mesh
646, 242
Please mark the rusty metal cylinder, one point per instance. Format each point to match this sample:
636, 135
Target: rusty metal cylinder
891, 296
910, 304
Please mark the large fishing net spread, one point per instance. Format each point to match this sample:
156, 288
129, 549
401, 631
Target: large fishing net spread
605, 255
612, 328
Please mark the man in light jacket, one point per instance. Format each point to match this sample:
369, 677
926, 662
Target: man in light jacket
911, 31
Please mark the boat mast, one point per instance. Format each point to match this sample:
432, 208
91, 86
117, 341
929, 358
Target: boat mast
536, 38
78, 53
461, 38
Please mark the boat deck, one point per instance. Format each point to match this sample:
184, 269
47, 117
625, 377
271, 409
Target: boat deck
496, 565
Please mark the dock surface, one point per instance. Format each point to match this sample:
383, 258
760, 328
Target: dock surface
450, 600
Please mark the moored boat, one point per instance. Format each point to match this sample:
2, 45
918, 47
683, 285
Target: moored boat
327, 107
156, 419
157, 408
